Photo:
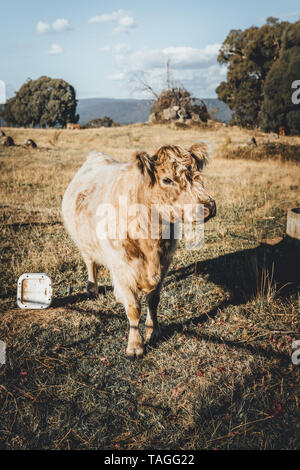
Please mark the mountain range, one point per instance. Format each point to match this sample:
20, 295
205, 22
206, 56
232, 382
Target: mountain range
129, 111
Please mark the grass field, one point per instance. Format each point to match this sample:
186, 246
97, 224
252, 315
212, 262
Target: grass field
221, 375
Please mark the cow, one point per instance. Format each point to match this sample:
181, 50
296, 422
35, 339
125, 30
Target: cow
282, 131
138, 262
72, 126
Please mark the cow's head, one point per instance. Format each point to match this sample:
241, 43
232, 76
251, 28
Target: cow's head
172, 178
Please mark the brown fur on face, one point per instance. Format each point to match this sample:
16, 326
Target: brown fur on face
146, 165
175, 179
180, 164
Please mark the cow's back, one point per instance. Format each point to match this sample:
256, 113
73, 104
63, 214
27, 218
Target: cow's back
98, 181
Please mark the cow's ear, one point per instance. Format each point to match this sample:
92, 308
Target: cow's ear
146, 166
201, 152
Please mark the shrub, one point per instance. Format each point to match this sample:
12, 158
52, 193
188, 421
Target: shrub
100, 122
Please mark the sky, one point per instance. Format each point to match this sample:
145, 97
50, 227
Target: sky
99, 46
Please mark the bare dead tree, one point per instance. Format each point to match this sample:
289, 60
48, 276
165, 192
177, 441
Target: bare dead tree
139, 82
168, 73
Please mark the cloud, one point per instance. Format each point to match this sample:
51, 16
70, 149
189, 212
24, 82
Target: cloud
195, 69
105, 48
55, 49
294, 14
119, 76
60, 25
124, 21
42, 27
119, 48
114, 16
180, 57
122, 47
125, 24
57, 26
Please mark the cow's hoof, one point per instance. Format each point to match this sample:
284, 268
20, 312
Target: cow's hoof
92, 290
138, 352
151, 335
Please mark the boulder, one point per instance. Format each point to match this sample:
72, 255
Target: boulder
153, 117
30, 143
252, 141
195, 117
272, 135
169, 114
7, 141
182, 113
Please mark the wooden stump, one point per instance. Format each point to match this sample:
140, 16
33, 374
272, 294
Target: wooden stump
293, 223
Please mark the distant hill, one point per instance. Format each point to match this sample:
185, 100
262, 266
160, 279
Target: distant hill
127, 111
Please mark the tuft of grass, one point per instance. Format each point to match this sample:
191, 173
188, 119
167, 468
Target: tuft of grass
271, 150
54, 139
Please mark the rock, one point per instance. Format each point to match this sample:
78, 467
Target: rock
7, 141
153, 117
273, 136
30, 143
169, 114
195, 117
182, 113
252, 141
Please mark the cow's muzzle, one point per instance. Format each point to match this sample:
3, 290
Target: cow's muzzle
210, 210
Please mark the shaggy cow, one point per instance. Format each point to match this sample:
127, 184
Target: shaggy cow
137, 261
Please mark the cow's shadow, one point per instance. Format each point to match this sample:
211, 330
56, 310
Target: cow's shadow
267, 270
250, 272
71, 299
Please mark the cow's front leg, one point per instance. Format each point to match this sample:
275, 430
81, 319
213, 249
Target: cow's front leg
129, 299
135, 344
152, 330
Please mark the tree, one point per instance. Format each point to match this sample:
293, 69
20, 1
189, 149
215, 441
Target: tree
249, 56
278, 110
42, 102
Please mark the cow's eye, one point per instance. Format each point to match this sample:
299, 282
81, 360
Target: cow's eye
167, 181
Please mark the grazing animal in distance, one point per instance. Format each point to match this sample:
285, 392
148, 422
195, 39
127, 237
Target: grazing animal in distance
282, 131
72, 126
138, 263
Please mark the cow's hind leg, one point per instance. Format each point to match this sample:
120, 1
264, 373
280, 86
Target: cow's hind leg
92, 286
152, 330
129, 299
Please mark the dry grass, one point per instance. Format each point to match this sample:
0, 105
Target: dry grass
221, 375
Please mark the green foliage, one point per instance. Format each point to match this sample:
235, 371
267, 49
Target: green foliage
278, 109
42, 102
249, 55
100, 122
